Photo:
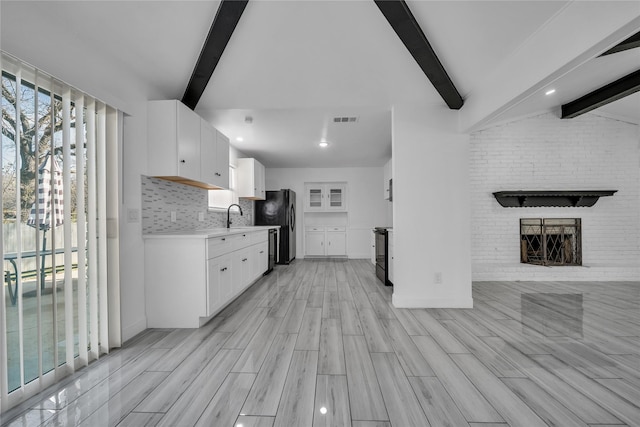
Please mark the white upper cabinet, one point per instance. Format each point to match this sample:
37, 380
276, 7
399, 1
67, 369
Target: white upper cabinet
314, 197
251, 179
174, 141
336, 197
183, 148
208, 147
221, 171
325, 197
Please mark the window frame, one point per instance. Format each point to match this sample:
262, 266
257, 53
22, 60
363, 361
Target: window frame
230, 195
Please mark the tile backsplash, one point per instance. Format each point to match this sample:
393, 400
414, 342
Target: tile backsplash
161, 197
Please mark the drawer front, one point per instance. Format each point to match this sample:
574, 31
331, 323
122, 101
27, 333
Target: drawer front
314, 228
241, 241
333, 228
259, 236
217, 246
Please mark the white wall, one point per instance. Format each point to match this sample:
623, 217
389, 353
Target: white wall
430, 209
365, 203
589, 152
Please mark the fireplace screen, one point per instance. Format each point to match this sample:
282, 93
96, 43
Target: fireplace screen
551, 241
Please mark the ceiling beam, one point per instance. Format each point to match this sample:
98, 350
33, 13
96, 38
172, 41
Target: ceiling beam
630, 43
407, 28
227, 17
612, 92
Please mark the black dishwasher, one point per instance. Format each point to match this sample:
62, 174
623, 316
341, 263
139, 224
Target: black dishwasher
273, 249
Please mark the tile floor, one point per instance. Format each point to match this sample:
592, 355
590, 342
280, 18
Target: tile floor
317, 343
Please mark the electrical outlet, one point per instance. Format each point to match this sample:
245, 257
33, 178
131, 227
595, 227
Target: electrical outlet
437, 278
174, 216
201, 216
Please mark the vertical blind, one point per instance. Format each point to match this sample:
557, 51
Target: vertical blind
56, 268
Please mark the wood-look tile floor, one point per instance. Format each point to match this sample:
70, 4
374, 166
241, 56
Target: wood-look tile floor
318, 343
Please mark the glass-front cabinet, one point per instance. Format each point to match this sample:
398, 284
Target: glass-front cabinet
315, 196
323, 197
336, 197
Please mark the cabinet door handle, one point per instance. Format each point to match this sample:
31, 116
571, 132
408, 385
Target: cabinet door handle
217, 174
223, 269
183, 161
244, 260
223, 239
244, 235
261, 252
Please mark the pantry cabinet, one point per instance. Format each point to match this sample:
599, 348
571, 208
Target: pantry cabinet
325, 197
251, 180
182, 147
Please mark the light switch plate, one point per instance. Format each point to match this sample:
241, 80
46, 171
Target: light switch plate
174, 216
201, 216
133, 215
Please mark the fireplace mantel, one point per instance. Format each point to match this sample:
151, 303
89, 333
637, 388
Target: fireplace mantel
550, 198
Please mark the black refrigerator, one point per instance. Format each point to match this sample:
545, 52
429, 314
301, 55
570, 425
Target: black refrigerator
279, 208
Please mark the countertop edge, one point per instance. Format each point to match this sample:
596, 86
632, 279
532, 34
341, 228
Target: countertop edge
205, 234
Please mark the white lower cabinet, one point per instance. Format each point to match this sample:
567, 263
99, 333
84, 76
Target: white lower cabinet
190, 279
260, 259
325, 241
242, 273
336, 243
314, 241
219, 283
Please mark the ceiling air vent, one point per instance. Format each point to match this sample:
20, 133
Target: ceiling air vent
345, 119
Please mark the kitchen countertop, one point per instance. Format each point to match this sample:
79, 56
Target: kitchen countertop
205, 233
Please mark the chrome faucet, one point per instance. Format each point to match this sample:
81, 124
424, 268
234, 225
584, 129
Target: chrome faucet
228, 211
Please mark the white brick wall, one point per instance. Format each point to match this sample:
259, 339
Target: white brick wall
546, 153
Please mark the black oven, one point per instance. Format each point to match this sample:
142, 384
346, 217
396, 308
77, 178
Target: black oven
382, 250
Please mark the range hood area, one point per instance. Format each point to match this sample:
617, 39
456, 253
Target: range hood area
550, 198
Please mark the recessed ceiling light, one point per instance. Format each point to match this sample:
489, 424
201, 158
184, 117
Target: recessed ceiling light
323, 144
550, 92
239, 139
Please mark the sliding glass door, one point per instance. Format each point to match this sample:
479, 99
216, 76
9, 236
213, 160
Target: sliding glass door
54, 315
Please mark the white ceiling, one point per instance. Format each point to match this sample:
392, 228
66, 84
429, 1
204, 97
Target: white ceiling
592, 75
292, 65
290, 137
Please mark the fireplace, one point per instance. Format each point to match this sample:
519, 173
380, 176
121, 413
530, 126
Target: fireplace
551, 241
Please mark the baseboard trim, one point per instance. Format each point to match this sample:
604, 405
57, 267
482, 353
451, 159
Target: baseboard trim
408, 302
131, 331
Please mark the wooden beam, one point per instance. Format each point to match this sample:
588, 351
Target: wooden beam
407, 28
612, 92
227, 17
630, 43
